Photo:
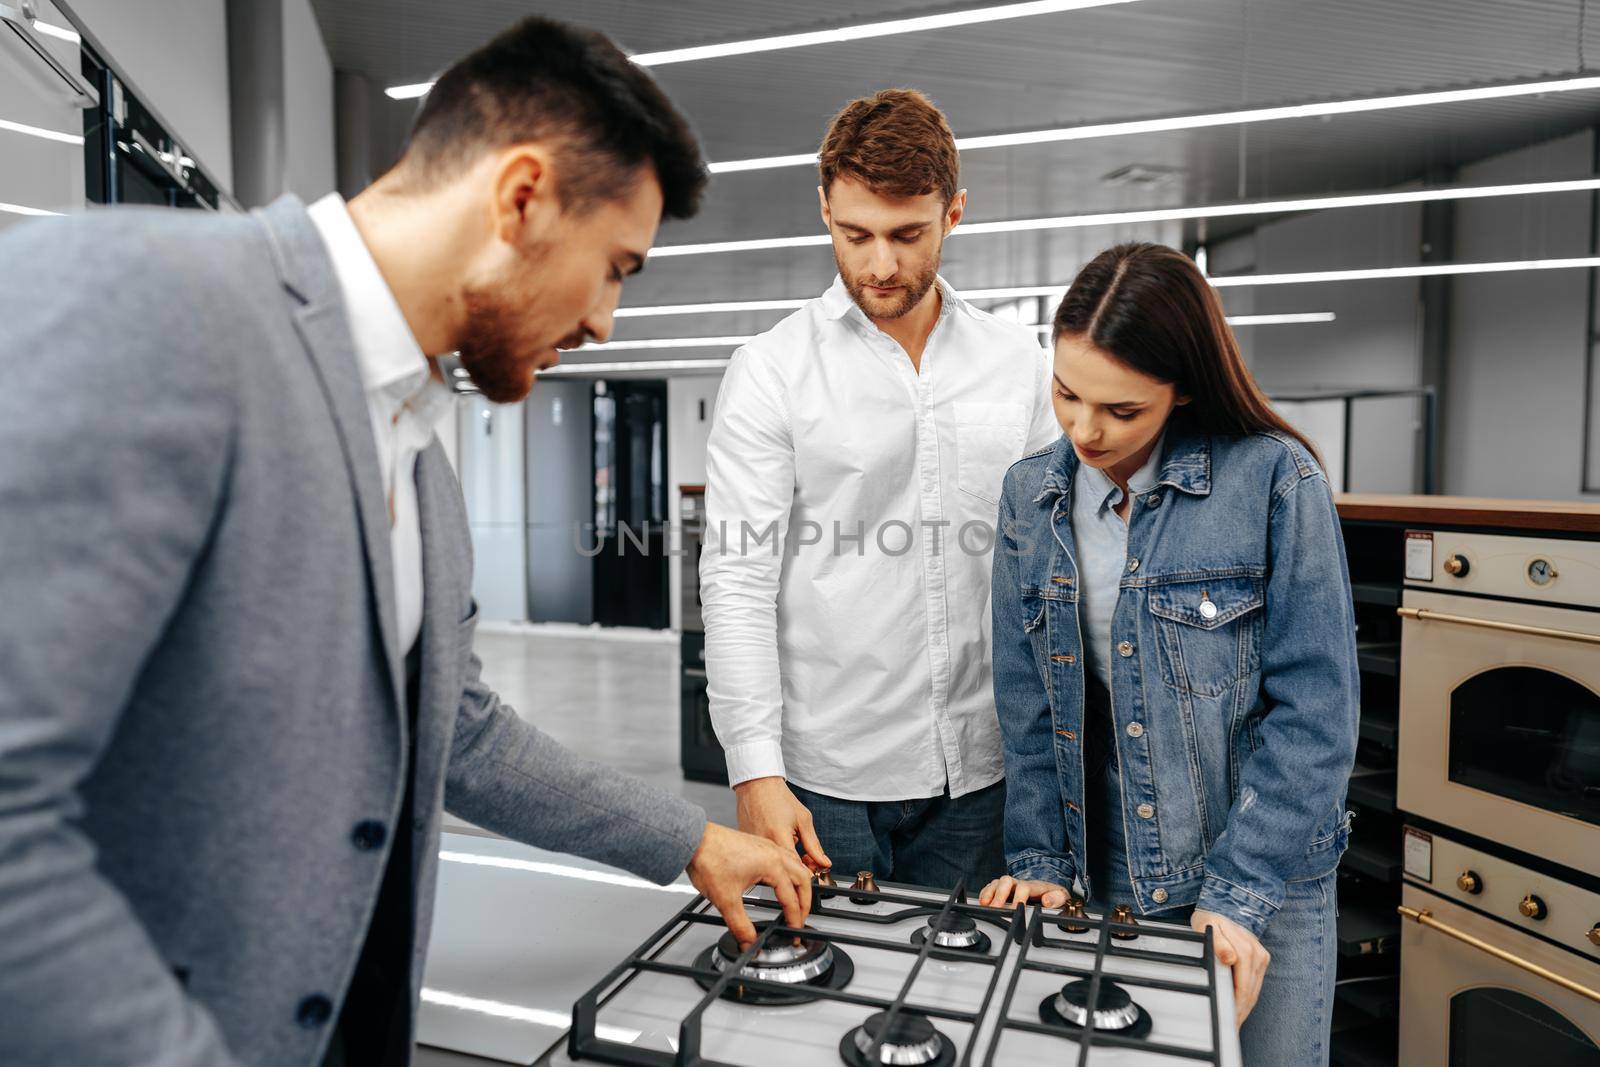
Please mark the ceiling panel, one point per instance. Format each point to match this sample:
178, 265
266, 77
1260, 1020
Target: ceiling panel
1153, 57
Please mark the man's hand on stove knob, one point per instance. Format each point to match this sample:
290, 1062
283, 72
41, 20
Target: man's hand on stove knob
767, 808
1239, 949
728, 862
1008, 892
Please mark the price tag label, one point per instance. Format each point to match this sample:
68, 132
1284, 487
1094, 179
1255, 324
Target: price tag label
1419, 855
1419, 555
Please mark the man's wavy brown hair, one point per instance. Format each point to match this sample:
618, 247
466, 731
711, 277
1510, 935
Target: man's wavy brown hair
896, 143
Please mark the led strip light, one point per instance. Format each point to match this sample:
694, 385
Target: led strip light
860, 32
1241, 116
1173, 214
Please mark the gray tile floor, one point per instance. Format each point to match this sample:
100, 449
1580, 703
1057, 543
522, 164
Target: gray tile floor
610, 696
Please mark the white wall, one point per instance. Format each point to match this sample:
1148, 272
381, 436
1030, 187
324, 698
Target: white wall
690, 403
175, 52
308, 104
1514, 407
1374, 343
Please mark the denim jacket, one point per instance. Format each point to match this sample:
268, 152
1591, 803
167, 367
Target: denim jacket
1235, 689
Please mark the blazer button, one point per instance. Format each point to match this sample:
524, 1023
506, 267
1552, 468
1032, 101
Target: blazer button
314, 1011
1135, 729
1146, 811
1159, 896
369, 835
1125, 649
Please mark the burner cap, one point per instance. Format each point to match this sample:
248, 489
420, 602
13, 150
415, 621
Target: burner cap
783, 959
1115, 1009
910, 1040
955, 931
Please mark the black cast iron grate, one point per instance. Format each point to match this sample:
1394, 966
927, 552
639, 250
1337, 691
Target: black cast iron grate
585, 1045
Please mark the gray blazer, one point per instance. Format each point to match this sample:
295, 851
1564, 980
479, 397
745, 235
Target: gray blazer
199, 701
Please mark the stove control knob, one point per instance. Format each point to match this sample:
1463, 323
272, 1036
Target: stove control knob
1469, 882
1594, 935
1122, 913
1073, 909
864, 881
1457, 566
1532, 907
825, 877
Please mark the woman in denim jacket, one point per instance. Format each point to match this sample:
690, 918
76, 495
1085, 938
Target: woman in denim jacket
1174, 649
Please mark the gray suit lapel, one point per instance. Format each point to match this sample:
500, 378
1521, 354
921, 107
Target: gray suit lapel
321, 321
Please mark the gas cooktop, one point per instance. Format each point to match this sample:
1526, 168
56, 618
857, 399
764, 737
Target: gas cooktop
899, 974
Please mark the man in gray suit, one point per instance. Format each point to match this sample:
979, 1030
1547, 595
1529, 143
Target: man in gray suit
236, 669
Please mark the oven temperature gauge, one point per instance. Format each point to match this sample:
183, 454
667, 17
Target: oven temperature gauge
1541, 572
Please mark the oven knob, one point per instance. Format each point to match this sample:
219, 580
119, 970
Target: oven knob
1457, 566
1532, 907
1469, 882
1594, 935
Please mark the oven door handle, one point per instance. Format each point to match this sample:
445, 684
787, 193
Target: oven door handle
1427, 614
1425, 918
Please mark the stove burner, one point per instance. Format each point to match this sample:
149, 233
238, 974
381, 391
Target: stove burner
911, 1040
800, 962
957, 932
1115, 1012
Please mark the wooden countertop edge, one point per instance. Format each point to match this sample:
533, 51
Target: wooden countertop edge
1552, 515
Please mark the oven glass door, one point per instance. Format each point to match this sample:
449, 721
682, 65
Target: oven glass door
1500, 726
1529, 735
1494, 1026
1463, 1007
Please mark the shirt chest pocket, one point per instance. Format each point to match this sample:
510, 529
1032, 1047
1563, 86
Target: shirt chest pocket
1209, 632
989, 439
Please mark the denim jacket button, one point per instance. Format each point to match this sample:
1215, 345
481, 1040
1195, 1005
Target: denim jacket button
1153, 500
1133, 565
1146, 811
1125, 649
1159, 896
1135, 729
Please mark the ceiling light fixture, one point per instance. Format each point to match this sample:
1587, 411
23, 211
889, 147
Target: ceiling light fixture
40, 131
733, 342
1094, 130
1172, 214
638, 364
1226, 281
18, 209
839, 35
698, 309
889, 28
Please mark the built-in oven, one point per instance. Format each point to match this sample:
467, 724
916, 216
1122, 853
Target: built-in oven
700, 753
1499, 963
1500, 691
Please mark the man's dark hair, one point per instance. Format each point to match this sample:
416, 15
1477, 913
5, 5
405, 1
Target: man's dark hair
543, 80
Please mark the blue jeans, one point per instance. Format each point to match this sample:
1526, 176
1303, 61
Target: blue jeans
1293, 1017
935, 842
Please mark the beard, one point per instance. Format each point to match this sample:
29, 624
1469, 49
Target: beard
490, 349
495, 347
916, 287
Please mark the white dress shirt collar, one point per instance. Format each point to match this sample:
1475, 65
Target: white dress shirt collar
387, 352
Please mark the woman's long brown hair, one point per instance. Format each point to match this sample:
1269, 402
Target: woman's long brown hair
1149, 307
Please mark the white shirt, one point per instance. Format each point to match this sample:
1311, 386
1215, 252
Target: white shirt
404, 400
1101, 538
857, 663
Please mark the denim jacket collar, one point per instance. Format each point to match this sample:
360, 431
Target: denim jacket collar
1187, 466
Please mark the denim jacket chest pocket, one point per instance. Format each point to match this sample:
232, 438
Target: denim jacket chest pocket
1209, 631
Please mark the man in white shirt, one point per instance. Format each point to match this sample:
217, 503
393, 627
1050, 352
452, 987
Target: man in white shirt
853, 472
